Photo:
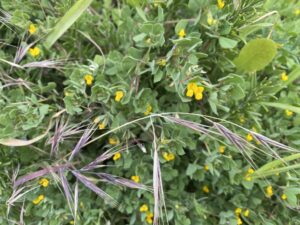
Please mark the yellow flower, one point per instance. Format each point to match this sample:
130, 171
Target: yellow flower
288, 112
239, 221
38, 199
44, 182
210, 20
117, 156
246, 213
250, 171
144, 208
248, 178
72, 222
34, 51
221, 4
194, 89
181, 33
88, 79
297, 12
101, 126
162, 62
222, 149
32, 28
206, 167
149, 217
113, 141
284, 76
249, 137
205, 189
269, 191
136, 179
168, 156
148, 110
242, 119
283, 197
119, 95
238, 211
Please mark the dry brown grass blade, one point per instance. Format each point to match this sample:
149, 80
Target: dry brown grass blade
12, 142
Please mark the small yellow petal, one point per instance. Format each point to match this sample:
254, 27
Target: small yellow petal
32, 29
136, 179
246, 213
117, 156
205, 189
288, 112
119, 95
181, 33
222, 149
249, 137
88, 79
221, 4
283, 197
144, 208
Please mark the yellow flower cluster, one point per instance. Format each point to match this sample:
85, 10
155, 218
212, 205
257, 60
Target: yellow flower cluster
194, 90
288, 112
221, 4
238, 213
34, 52
148, 110
248, 174
44, 182
269, 191
222, 149
32, 29
205, 189
117, 156
284, 76
119, 95
168, 156
136, 179
38, 199
181, 33
88, 79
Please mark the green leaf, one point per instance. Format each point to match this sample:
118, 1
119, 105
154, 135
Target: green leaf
67, 21
227, 43
192, 168
256, 55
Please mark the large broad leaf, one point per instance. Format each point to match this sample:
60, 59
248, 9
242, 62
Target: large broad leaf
256, 55
66, 21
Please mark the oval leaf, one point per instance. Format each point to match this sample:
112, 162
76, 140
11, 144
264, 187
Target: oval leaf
256, 55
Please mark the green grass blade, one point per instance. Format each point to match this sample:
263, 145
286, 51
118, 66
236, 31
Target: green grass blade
66, 21
278, 162
275, 171
282, 106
